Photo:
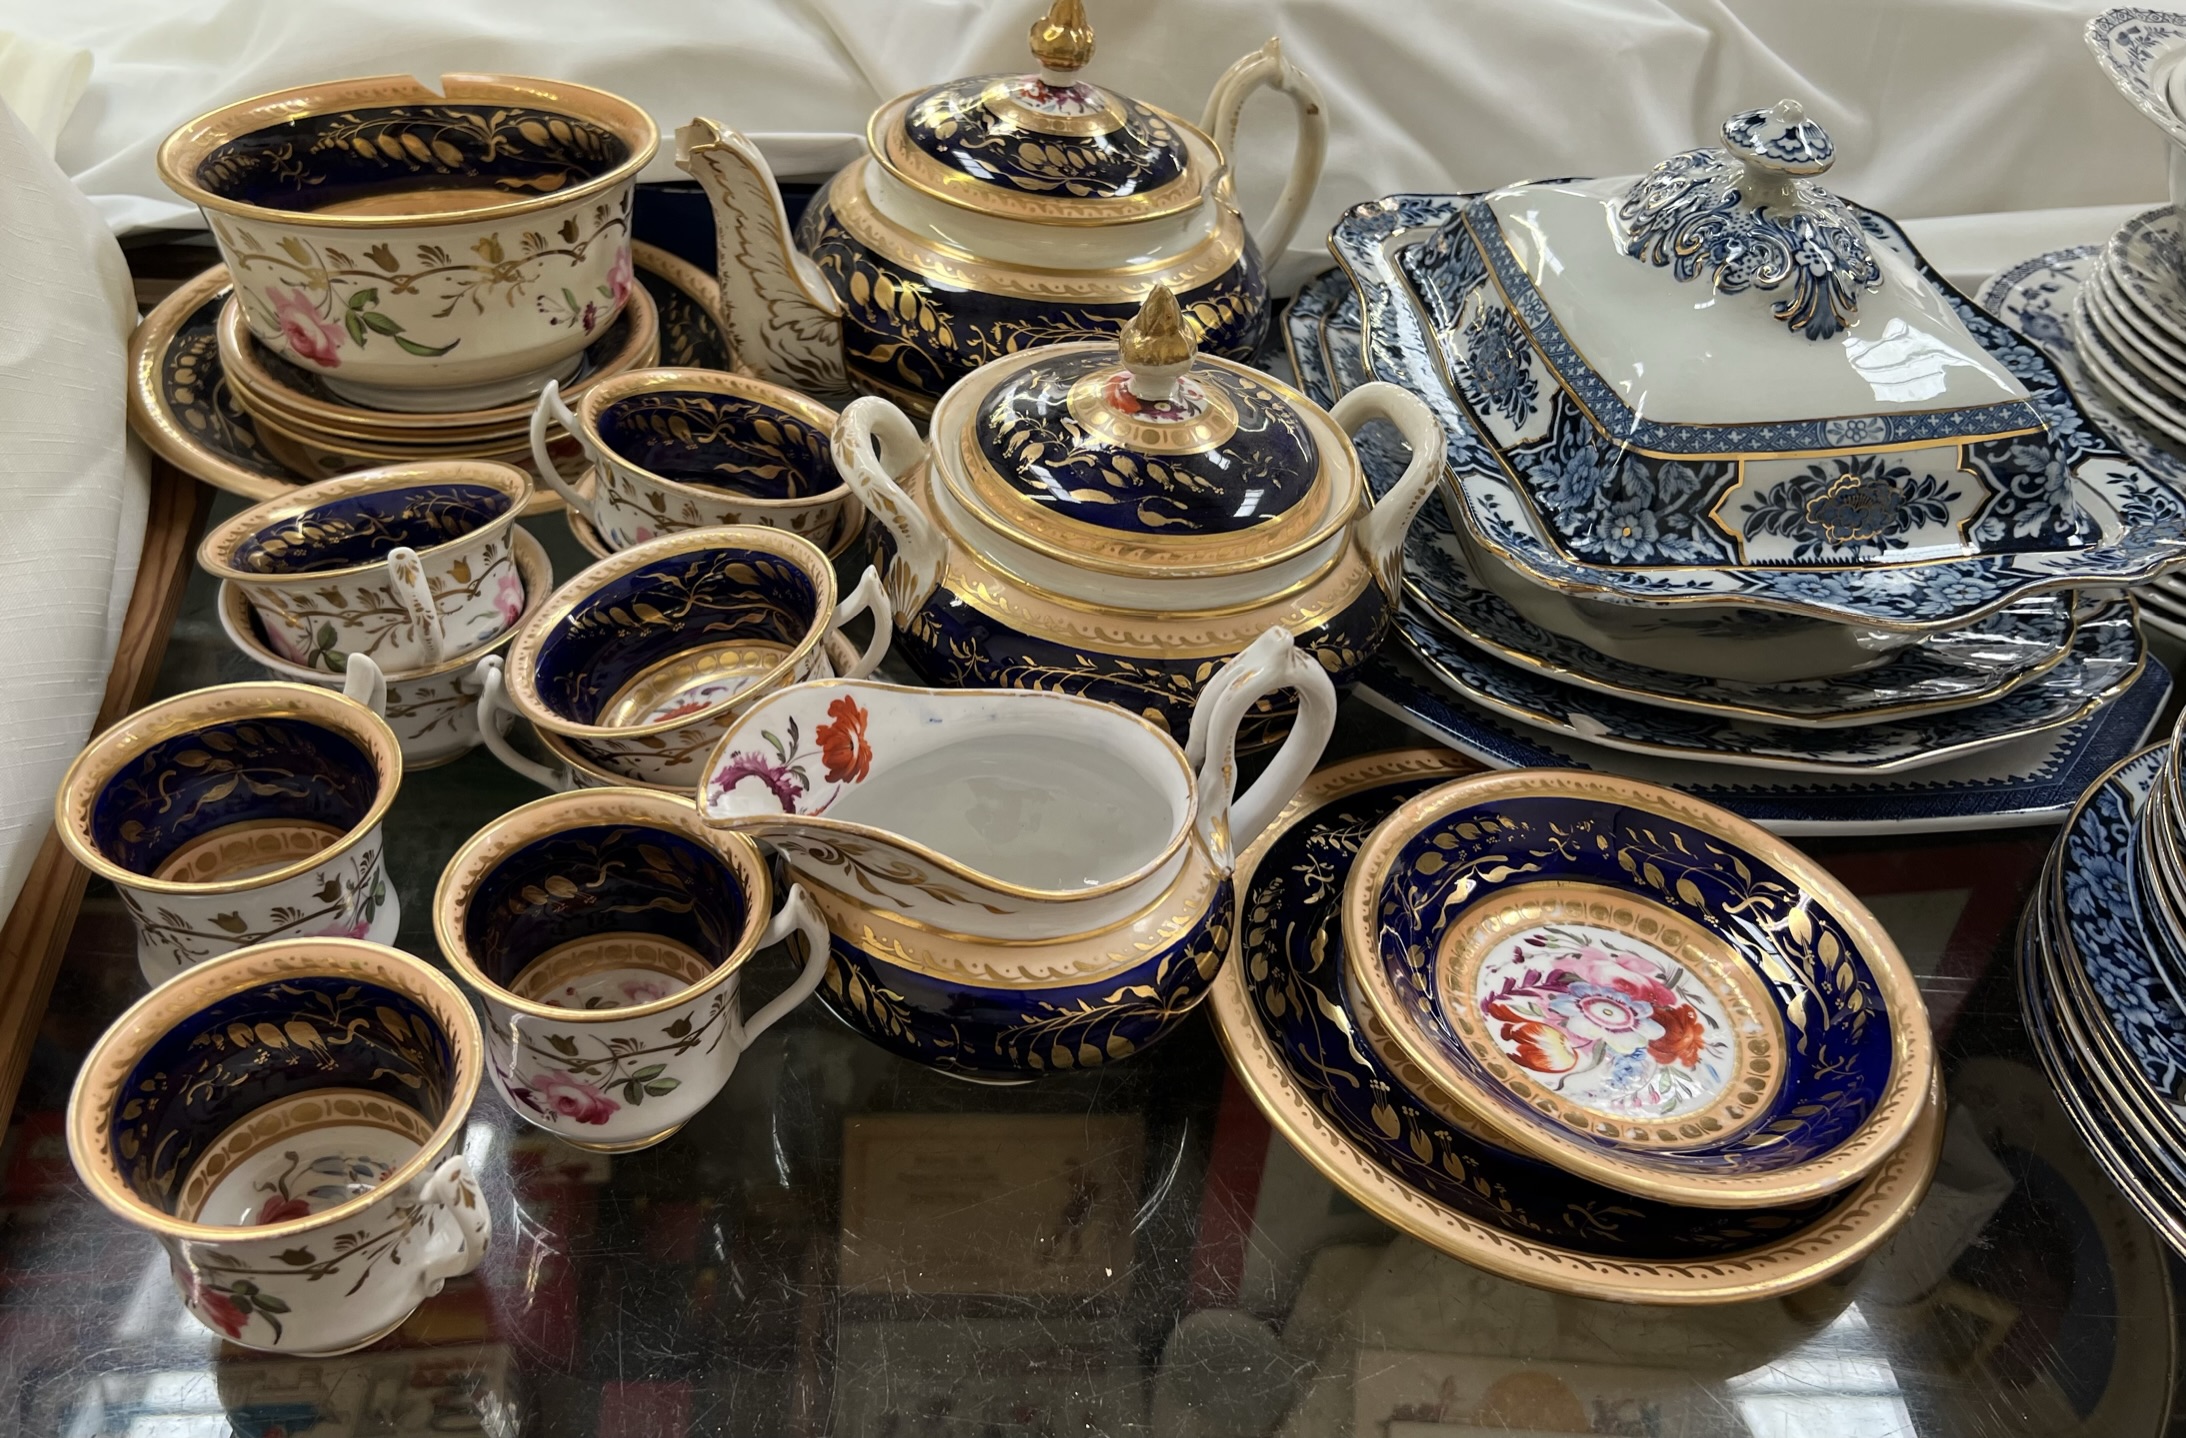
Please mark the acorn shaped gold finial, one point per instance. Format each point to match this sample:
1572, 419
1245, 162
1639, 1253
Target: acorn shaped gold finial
1062, 39
1157, 346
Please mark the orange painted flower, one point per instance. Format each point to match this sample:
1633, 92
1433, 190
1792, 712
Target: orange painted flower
1544, 1048
1681, 1036
842, 743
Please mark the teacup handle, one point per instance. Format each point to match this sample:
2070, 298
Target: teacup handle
364, 681
869, 597
1270, 67
1381, 533
875, 445
798, 915
406, 577
551, 408
451, 1255
493, 712
1271, 663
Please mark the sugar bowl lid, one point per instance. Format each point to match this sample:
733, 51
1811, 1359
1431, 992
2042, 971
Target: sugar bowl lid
1142, 456
1046, 146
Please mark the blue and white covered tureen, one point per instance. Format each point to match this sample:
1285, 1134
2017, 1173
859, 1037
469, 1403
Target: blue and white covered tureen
1718, 398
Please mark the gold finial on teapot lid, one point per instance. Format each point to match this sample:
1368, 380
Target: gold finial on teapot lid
1157, 346
1062, 40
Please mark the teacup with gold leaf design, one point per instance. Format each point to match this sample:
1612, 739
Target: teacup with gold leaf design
412, 564
605, 932
288, 1122
640, 663
675, 449
229, 816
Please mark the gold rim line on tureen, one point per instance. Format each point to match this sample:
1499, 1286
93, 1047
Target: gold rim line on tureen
1186, 827
181, 153
707, 381
1912, 1061
1848, 1233
190, 992
523, 656
512, 483
192, 710
595, 808
1606, 594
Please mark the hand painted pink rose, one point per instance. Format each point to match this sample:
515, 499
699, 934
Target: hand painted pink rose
620, 276
308, 336
508, 597
571, 1097
356, 927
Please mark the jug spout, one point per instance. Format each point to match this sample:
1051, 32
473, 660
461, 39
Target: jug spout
783, 320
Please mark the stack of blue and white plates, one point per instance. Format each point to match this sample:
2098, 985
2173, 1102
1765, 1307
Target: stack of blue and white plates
2102, 958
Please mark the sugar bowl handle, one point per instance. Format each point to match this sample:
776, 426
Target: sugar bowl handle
458, 1246
1381, 533
406, 577
1268, 66
551, 407
798, 915
875, 445
493, 714
869, 596
364, 681
1271, 663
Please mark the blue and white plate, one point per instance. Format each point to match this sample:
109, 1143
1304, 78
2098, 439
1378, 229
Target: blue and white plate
2140, 518
2106, 656
2146, 263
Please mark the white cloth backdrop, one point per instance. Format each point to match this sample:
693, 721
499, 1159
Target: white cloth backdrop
73, 484
1939, 107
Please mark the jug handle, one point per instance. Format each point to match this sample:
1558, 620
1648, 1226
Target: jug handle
406, 576
1382, 531
552, 407
874, 446
784, 321
1271, 663
869, 596
364, 681
798, 915
1268, 66
493, 712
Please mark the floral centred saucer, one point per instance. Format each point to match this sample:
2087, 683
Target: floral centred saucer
180, 404
1637, 987
1278, 1009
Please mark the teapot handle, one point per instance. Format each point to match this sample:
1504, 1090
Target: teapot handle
869, 596
406, 577
1382, 532
551, 406
875, 445
784, 322
491, 713
1268, 66
1270, 663
364, 681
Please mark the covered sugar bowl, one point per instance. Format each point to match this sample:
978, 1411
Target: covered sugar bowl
997, 208
1117, 518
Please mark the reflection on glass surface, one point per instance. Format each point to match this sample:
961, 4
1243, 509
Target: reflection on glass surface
847, 1244
1904, 365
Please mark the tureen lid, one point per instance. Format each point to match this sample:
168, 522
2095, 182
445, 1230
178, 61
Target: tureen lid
1140, 455
1045, 146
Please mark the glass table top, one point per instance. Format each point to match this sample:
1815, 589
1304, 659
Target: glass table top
845, 1243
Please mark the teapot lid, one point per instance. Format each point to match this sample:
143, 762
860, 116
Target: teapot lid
1142, 456
1046, 146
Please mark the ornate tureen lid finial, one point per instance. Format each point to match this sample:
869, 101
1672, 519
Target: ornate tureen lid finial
1157, 347
1062, 41
1749, 216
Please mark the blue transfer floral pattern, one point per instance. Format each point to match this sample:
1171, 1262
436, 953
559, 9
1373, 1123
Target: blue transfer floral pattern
1850, 504
1500, 358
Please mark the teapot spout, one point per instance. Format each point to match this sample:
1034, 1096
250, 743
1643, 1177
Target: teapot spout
783, 320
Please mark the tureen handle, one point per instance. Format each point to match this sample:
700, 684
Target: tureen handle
784, 322
1381, 533
492, 714
875, 445
1269, 664
1268, 66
